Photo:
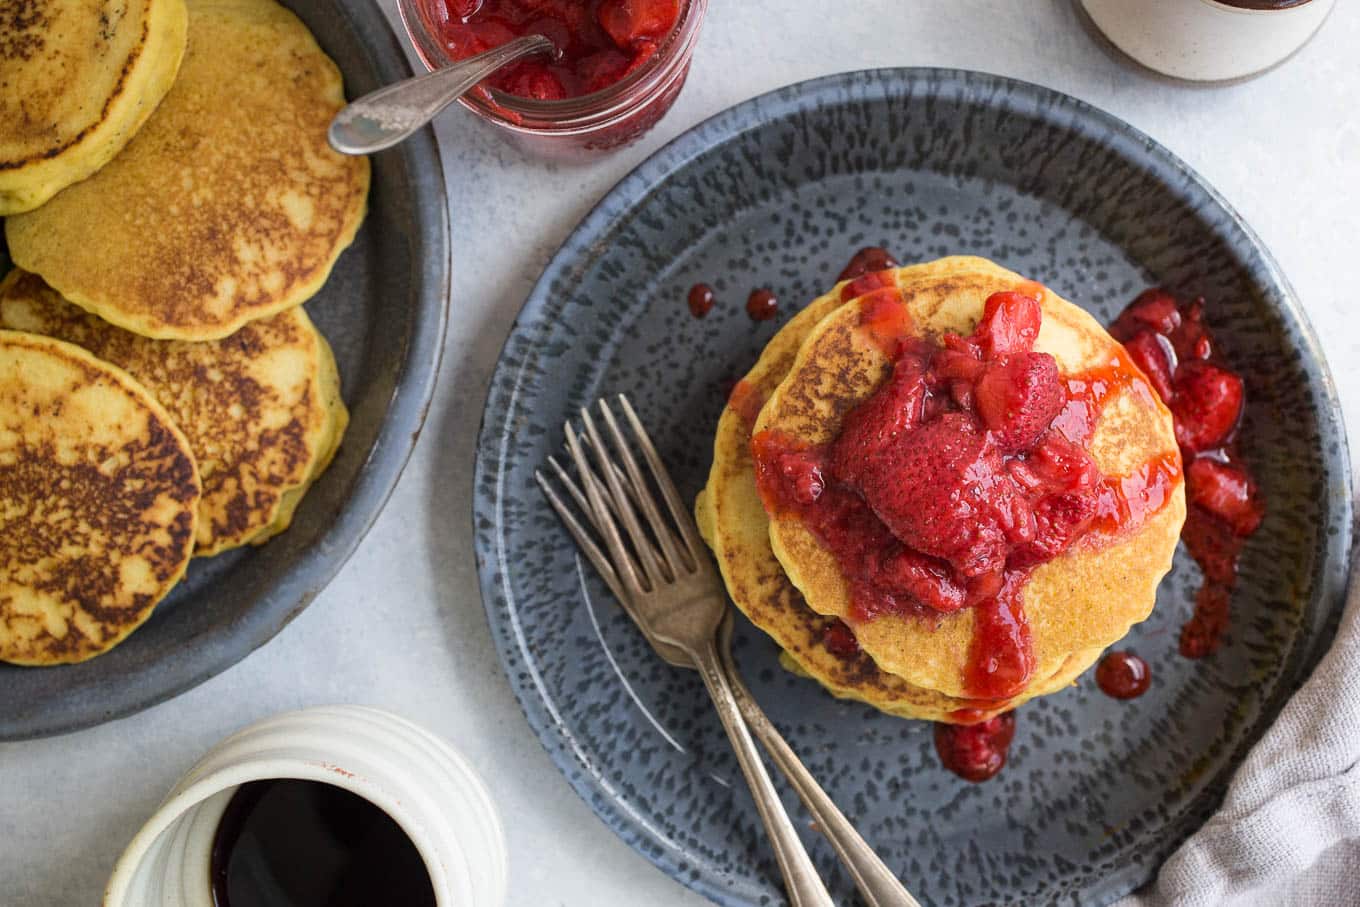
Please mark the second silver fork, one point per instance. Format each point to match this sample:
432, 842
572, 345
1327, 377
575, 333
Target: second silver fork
668, 586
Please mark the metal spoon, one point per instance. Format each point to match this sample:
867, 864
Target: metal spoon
382, 118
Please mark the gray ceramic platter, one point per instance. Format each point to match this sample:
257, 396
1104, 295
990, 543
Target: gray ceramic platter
383, 311
778, 192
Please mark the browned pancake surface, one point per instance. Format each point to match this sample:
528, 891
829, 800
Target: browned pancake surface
259, 408
228, 205
98, 501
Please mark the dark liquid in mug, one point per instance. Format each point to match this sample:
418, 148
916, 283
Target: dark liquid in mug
1264, 4
290, 843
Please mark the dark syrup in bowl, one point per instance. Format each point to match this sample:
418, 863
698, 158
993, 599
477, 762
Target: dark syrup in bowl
295, 843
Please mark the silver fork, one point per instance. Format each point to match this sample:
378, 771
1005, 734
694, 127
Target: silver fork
669, 587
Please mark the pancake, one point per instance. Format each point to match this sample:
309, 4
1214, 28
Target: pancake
77, 80
227, 206
734, 524
337, 420
1083, 600
261, 408
98, 502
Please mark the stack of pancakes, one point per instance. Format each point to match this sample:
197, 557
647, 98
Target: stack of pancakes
170, 203
814, 371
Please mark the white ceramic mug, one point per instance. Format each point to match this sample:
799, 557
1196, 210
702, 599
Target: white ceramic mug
1208, 40
415, 777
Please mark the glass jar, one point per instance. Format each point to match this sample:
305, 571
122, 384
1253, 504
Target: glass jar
584, 126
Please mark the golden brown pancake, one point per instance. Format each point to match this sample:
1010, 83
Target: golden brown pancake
98, 501
227, 206
77, 80
337, 420
261, 408
1081, 601
734, 523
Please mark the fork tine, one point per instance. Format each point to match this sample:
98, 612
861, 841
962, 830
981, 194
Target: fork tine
623, 479
604, 520
586, 543
665, 536
575, 490
657, 572
683, 518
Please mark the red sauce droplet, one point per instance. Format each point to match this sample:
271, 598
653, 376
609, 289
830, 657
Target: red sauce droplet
1123, 675
884, 318
866, 284
1174, 347
700, 300
975, 752
969, 420
866, 260
762, 305
601, 41
840, 640
746, 401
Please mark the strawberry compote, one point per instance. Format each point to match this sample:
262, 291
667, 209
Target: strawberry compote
866, 260
1172, 345
601, 41
975, 752
959, 475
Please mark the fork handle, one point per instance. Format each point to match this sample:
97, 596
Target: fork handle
804, 886
876, 883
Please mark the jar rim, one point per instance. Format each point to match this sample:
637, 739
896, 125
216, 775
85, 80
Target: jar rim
588, 111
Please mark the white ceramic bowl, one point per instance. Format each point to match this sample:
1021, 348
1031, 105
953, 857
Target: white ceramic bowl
412, 775
1206, 40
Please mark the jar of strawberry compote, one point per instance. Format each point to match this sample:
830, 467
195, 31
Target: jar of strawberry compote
622, 65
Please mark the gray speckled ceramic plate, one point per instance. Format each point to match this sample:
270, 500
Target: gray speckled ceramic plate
778, 192
384, 311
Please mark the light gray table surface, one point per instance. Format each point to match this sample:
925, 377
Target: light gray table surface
402, 626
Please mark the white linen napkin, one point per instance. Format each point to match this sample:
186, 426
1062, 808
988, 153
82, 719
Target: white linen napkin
1288, 832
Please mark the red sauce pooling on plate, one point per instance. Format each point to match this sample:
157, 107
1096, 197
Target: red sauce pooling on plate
949, 484
1123, 675
975, 752
1171, 344
700, 300
601, 41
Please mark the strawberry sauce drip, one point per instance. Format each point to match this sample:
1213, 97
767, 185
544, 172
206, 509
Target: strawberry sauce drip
884, 319
955, 478
1173, 346
746, 400
840, 640
975, 752
866, 260
1123, 675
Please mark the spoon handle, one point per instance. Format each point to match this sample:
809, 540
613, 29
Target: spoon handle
382, 118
